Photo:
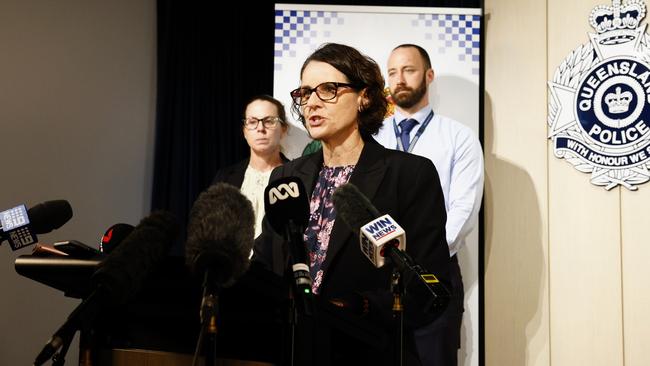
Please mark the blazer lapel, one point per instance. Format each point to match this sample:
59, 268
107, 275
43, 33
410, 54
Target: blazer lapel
367, 176
308, 171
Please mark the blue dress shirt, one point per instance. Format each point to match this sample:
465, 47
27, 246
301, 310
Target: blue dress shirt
457, 154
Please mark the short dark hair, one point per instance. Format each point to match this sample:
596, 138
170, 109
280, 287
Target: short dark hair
423, 53
360, 70
267, 98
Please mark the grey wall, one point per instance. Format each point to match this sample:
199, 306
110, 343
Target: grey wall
77, 108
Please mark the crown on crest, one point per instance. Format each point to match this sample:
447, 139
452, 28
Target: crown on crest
618, 102
619, 15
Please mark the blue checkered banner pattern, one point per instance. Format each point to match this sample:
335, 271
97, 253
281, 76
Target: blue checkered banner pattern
451, 37
456, 34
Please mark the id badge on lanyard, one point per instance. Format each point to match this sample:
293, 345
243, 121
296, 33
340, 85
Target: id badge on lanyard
417, 134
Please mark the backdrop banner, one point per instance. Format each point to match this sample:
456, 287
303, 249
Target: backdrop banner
451, 36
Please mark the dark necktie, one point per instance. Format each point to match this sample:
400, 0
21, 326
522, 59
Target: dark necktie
406, 126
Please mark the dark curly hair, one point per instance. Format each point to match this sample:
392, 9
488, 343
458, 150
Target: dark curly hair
360, 70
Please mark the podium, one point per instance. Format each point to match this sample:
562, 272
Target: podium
161, 325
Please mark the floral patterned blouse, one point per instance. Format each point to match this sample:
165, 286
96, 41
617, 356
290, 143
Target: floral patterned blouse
321, 218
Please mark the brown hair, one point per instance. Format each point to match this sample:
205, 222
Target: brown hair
360, 70
423, 53
278, 105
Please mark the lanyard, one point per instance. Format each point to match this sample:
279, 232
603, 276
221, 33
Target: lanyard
417, 134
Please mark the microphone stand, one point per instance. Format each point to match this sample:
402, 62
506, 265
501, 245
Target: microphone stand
58, 345
300, 303
292, 320
208, 315
59, 358
397, 288
84, 359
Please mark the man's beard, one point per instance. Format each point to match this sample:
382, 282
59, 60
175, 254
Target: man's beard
411, 97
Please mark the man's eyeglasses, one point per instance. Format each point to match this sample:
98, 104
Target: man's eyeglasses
251, 123
325, 91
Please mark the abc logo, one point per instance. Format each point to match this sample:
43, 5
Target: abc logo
283, 191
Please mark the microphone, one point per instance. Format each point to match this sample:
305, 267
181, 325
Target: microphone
220, 234
49, 215
120, 276
380, 237
76, 249
287, 209
20, 226
220, 239
113, 236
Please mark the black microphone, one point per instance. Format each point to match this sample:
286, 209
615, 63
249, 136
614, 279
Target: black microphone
220, 234
20, 226
120, 276
220, 238
49, 215
287, 209
381, 236
113, 236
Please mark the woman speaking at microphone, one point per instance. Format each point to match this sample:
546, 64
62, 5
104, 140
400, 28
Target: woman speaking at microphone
341, 103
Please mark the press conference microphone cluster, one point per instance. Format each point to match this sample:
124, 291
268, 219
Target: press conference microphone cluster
287, 209
20, 226
119, 277
380, 237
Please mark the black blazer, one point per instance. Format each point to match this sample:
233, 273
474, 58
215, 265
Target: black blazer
234, 174
403, 185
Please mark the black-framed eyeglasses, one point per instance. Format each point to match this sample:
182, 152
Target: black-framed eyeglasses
251, 123
325, 91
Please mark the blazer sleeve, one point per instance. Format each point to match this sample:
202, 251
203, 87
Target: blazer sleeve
423, 214
420, 209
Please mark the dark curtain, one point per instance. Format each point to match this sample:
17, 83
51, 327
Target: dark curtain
210, 61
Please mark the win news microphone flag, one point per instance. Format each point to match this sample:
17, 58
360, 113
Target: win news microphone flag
380, 236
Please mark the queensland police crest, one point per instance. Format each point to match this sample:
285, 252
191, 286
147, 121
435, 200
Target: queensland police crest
599, 105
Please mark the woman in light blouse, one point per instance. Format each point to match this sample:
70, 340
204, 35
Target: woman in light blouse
264, 125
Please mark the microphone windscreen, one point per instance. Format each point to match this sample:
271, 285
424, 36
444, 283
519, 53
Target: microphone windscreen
285, 200
49, 215
353, 207
220, 234
122, 274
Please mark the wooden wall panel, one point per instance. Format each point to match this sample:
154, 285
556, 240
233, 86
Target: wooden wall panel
636, 275
516, 300
584, 233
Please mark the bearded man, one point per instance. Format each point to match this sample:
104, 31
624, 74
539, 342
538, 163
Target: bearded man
457, 155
